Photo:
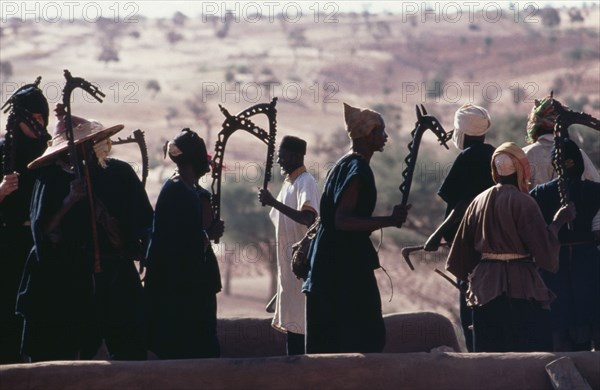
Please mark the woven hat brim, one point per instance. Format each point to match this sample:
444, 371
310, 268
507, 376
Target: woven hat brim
53, 152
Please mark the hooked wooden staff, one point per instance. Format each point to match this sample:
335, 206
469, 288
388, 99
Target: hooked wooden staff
424, 122
71, 84
242, 121
565, 119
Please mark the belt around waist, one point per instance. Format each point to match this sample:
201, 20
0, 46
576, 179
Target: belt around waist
518, 260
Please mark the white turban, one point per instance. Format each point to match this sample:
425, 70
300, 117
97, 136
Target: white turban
470, 120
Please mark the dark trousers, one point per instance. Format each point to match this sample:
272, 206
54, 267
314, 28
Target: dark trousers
466, 317
295, 343
112, 311
511, 325
15, 244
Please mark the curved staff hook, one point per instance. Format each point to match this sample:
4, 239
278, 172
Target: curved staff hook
241, 121
138, 137
71, 84
424, 122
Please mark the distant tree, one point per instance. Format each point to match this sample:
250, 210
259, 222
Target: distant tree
230, 75
382, 30
248, 247
201, 114
488, 44
153, 86
173, 37
512, 126
550, 16
558, 85
577, 104
575, 15
108, 54
6, 70
171, 114
221, 30
518, 94
179, 19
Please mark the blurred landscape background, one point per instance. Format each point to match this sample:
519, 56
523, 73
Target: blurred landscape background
161, 74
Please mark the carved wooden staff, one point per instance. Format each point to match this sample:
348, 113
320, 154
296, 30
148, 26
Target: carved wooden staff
424, 122
138, 137
71, 84
565, 119
242, 121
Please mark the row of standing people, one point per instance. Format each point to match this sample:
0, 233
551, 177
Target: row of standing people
69, 309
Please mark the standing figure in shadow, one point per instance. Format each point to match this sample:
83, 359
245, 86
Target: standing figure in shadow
343, 305
183, 276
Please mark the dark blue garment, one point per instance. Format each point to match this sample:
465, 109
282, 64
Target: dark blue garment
343, 302
67, 308
575, 313
182, 278
470, 175
15, 243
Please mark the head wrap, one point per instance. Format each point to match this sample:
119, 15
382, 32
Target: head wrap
32, 99
360, 121
293, 144
520, 164
571, 152
470, 120
542, 118
188, 147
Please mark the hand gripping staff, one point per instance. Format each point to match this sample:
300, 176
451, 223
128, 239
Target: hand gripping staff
17, 115
242, 121
424, 122
71, 84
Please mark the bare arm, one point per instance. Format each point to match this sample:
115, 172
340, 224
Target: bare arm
453, 219
304, 217
346, 219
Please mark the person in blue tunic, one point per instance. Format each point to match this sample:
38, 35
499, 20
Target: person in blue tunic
16, 186
183, 276
575, 314
69, 304
469, 175
343, 308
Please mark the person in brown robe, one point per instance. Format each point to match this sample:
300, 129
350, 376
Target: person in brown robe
500, 244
